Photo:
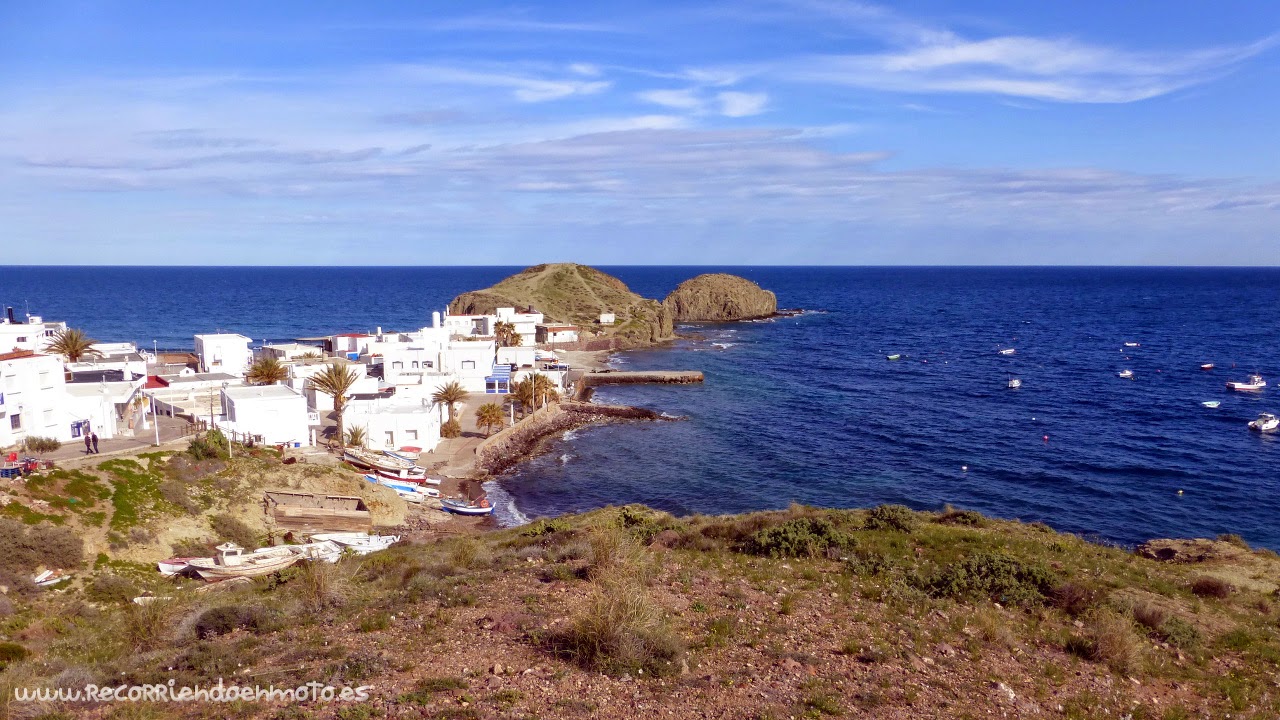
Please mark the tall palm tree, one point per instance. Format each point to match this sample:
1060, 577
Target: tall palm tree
522, 393
267, 371
544, 389
506, 335
450, 395
72, 344
336, 381
489, 416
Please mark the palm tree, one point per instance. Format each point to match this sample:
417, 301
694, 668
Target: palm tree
357, 436
267, 371
544, 389
336, 381
449, 395
72, 344
506, 335
522, 392
489, 416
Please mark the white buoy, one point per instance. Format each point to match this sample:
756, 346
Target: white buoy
964, 468
1179, 492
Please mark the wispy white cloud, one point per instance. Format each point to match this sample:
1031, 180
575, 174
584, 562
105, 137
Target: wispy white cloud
742, 104
682, 99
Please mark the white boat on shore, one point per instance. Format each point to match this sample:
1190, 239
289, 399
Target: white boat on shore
233, 562
407, 490
358, 542
387, 466
174, 565
407, 452
1255, 382
1266, 422
319, 550
1126, 374
464, 507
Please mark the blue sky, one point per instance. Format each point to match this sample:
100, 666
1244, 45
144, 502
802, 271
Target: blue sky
754, 132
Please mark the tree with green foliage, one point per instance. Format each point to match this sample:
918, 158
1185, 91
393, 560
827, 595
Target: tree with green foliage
450, 395
357, 436
506, 335
267, 370
72, 344
336, 381
489, 416
544, 389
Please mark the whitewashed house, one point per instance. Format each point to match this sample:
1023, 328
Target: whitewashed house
520, 356
32, 398
286, 352
224, 353
607, 318
525, 323
395, 421
105, 407
551, 334
275, 413
319, 402
33, 334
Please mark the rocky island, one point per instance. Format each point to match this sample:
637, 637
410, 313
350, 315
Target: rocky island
719, 297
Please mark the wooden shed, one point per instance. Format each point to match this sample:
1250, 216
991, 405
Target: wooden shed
302, 512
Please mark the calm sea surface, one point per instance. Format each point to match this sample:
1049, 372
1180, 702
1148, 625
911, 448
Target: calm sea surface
808, 409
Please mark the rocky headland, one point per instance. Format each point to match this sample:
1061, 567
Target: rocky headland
719, 297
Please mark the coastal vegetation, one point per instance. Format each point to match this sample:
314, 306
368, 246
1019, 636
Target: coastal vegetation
490, 416
336, 381
505, 334
38, 444
800, 612
72, 344
267, 370
356, 436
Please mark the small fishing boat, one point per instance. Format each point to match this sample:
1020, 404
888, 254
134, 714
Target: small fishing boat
895, 356
407, 452
318, 551
406, 489
1255, 382
1007, 351
359, 542
174, 565
1266, 423
1014, 383
233, 562
1133, 344
1207, 366
1211, 404
463, 507
385, 465
1126, 374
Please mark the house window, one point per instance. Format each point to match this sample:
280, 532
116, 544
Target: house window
414, 365
391, 439
397, 365
15, 421
468, 364
411, 434
22, 339
48, 418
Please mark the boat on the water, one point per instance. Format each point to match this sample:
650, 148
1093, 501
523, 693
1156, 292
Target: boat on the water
1133, 344
233, 562
1211, 403
1255, 382
1266, 422
1014, 383
1007, 351
1126, 374
1207, 366
895, 356
358, 542
464, 507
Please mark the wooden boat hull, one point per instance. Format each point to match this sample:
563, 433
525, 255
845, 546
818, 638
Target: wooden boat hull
250, 568
460, 508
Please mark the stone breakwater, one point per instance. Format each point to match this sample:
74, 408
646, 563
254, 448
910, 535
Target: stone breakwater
514, 444
586, 381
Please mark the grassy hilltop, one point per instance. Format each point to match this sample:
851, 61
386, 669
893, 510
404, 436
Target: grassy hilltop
575, 294
626, 612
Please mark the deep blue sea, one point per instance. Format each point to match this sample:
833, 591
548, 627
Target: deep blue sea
808, 409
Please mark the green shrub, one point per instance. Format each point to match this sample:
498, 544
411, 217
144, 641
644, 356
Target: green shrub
1075, 598
891, 517
110, 588
1179, 633
802, 537
11, 653
992, 576
1234, 540
951, 516
226, 618
231, 528
213, 446
451, 429
38, 444
545, 526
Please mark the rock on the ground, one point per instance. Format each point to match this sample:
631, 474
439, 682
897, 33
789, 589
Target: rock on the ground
718, 297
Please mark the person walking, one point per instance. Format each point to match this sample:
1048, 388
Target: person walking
88, 446
94, 436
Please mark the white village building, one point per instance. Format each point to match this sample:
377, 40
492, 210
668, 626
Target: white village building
395, 421
35, 401
224, 352
275, 414
33, 334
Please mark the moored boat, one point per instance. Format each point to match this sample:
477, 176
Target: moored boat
895, 356
385, 465
1207, 366
1255, 382
1266, 422
1133, 344
464, 507
407, 452
1007, 351
1014, 383
1126, 374
1211, 403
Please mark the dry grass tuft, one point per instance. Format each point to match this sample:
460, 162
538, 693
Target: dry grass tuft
1109, 639
1208, 586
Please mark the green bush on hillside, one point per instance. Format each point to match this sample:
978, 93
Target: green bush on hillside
38, 444
891, 517
802, 537
992, 576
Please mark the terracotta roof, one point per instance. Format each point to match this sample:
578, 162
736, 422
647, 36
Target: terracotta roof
18, 354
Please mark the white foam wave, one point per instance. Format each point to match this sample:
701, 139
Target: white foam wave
570, 434
565, 458
723, 345
504, 506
